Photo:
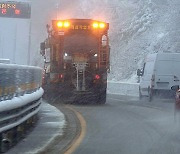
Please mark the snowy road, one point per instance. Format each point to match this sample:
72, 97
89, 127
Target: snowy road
130, 127
123, 125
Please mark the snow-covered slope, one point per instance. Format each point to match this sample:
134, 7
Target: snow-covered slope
152, 29
137, 27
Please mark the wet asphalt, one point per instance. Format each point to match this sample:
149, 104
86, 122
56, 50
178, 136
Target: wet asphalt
126, 125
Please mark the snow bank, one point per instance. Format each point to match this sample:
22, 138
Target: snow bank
123, 88
51, 124
20, 101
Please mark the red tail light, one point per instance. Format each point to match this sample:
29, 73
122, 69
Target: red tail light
17, 11
97, 77
61, 76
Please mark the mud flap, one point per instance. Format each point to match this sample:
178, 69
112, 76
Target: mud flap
102, 97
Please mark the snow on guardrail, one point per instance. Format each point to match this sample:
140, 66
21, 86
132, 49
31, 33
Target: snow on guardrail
20, 101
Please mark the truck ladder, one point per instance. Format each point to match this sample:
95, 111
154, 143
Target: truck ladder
104, 52
80, 70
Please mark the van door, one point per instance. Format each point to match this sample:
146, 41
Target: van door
164, 74
167, 71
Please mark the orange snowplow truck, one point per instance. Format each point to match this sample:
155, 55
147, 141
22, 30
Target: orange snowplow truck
79, 59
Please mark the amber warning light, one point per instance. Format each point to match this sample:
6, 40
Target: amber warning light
61, 24
79, 25
97, 25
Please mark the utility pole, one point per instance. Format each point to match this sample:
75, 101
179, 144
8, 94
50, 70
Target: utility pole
29, 44
14, 49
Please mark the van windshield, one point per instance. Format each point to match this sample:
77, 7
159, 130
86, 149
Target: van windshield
148, 68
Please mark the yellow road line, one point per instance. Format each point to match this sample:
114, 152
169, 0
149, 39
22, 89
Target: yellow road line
75, 144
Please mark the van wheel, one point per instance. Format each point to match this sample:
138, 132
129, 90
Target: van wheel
150, 94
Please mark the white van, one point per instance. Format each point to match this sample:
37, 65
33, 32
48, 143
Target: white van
161, 71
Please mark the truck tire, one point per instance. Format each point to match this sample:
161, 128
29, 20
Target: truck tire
102, 98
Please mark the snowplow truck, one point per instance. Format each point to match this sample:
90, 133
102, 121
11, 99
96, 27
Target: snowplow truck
78, 59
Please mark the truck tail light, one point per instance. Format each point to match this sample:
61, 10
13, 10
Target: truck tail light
97, 77
63, 24
61, 76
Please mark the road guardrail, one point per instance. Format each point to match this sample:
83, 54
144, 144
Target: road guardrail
20, 99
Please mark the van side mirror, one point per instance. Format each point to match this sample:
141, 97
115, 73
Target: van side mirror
42, 47
175, 88
139, 72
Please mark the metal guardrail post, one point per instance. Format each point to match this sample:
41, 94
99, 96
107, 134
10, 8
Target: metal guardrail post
5, 143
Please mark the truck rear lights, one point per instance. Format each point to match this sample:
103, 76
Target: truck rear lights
97, 77
17, 11
99, 25
3, 11
61, 24
95, 25
61, 76
66, 24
